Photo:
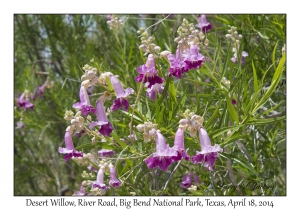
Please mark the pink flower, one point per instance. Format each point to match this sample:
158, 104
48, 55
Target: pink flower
25, 102
204, 24
154, 90
69, 150
162, 158
178, 65
193, 58
235, 59
105, 126
121, 93
179, 146
114, 182
84, 105
208, 153
149, 73
186, 180
99, 183
106, 153
81, 192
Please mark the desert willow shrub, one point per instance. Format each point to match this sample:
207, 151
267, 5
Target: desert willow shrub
164, 103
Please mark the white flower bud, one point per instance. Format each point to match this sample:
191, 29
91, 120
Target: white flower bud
228, 36
183, 122
140, 127
165, 54
157, 48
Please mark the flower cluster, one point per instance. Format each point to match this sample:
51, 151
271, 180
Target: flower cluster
192, 122
48, 84
187, 54
235, 38
188, 36
165, 155
24, 100
149, 130
114, 22
149, 76
147, 46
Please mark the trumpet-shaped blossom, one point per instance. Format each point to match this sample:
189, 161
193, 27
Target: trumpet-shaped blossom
154, 90
121, 93
24, 101
193, 59
84, 105
163, 156
208, 153
186, 180
69, 150
179, 146
204, 24
178, 65
149, 73
99, 183
114, 182
41, 89
235, 59
106, 153
105, 126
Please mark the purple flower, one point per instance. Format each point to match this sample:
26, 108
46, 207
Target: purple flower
21, 101
81, 192
84, 105
121, 93
162, 158
106, 153
196, 179
235, 59
99, 183
114, 182
105, 126
41, 89
20, 125
79, 133
69, 150
25, 103
92, 168
193, 58
152, 92
233, 102
177, 64
90, 90
203, 24
208, 153
108, 17
149, 73
186, 180
179, 146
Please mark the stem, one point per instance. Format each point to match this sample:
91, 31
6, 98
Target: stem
134, 107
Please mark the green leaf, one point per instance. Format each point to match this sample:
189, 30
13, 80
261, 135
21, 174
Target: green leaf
275, 81
255, 78
243, 163
232, 111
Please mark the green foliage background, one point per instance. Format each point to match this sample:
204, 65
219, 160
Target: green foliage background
58, 46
